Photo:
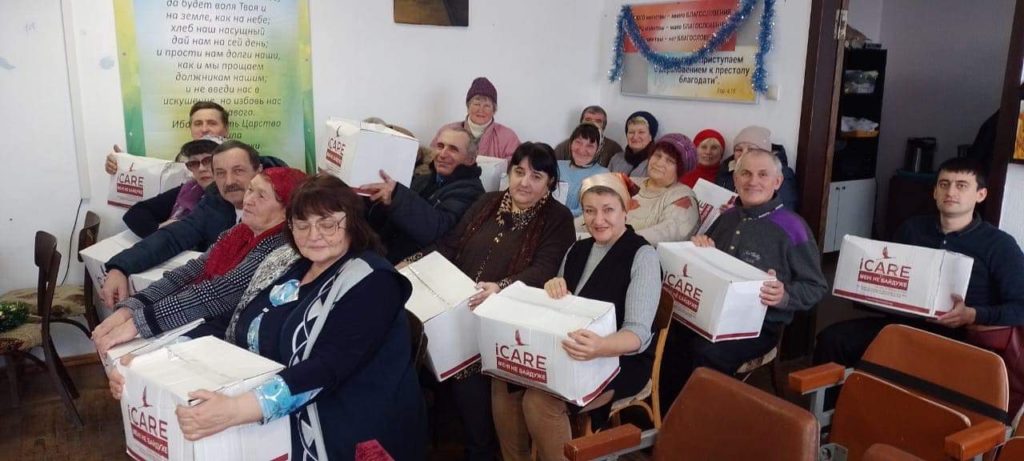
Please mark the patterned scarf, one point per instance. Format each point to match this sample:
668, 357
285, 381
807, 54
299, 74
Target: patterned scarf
232, 248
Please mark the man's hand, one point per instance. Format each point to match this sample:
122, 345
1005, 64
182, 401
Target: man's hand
111, 164
702, 241
115, 288
960, 315
773, 292
381, 191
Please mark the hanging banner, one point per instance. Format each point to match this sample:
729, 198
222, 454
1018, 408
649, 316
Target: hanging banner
250, 56
681, 28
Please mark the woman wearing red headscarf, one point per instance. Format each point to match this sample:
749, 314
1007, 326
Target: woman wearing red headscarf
710, 147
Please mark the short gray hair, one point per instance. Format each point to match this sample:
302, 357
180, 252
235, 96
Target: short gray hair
471, 149
775, 159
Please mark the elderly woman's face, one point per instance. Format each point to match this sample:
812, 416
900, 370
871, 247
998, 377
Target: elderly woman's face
583, 151
604, 216
709, 152
526, 185
481, 109
260, 208
321, 239
661, 169
638, 136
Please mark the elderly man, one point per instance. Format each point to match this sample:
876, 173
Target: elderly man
234, 165
763, 233
597, 116
995, 293
410, 218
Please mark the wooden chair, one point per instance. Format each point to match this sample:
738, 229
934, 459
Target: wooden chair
419, 340
1012, 450
68, 300
922, 393
648, 398
17, 344
771, 360
715, 417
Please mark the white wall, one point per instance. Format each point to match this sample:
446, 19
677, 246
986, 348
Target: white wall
944, 76
785, 69
1011, 218
866, 16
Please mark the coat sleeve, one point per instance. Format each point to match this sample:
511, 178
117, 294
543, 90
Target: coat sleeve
1007, 276
448, 245
807, 284
426, 222
145, 217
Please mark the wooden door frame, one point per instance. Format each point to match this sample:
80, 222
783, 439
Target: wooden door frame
1006, 125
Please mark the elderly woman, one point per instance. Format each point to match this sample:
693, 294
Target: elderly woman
584, 143
493, 139
519, 234
614, 265
147, 216
641, 128
350, 381
213, 283
710, 147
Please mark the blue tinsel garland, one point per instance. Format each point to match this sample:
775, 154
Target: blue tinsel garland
627, 25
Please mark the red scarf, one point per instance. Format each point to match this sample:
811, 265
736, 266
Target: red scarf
708, 172
232, 248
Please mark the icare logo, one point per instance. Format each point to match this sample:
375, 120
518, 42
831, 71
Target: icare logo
683, 290
519, 339
335, 150
147, 428
883, 272
514, 360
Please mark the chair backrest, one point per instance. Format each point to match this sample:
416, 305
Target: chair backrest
87, 237
418, 339
865, 416
883, 452
1013, 450
719, 417
937, 360
662, 321
47, 259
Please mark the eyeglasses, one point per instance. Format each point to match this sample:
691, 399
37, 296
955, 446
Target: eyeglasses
326, 227
194, 164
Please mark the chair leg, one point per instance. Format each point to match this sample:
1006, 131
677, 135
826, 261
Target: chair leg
12, 378
62, 371
65, 395
777, 384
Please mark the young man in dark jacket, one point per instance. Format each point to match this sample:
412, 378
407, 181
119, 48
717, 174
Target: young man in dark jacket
410, 218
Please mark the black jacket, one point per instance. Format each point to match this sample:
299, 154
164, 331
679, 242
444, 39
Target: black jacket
425, 211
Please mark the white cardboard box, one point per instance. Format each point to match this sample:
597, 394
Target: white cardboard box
140, 178
140, 345
157, 382
521, 333
139, 282
440, 299
904, 278
97, 255
711, 198
493, 169
357, 151
714, 294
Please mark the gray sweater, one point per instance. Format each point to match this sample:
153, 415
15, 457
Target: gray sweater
769, 236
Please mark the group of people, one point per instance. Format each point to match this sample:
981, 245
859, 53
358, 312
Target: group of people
302, 269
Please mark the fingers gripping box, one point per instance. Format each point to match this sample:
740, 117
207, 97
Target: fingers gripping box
714, 294
158, 382
521, 334
903, 278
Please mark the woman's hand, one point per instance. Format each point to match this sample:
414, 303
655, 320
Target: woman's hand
702, 241
116, 379
215, 413
110, 166
122, 333
486, 290
556, 288
584, 345
773, 292
101, 335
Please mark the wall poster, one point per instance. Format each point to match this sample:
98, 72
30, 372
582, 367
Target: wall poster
250, 56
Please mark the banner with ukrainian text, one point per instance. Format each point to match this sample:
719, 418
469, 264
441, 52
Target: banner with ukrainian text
250, 56
679, 28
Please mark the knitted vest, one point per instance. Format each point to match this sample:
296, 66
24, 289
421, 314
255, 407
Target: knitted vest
610, 279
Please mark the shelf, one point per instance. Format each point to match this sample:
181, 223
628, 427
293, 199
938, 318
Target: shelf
858, 134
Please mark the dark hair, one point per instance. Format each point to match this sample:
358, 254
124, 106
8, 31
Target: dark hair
602, 190
541, 157
587, 131
670, 149
595, 109
254, 155
324, 194
200, 105
968, 166
197, 147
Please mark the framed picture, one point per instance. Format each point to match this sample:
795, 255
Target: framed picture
1018, 143
453, 13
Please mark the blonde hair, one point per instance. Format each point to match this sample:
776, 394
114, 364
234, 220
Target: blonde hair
638, 120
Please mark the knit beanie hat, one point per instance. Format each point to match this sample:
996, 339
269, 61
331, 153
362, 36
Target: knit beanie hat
758, 136
704, 135
284, 180
482, 87
652, 123
681, 148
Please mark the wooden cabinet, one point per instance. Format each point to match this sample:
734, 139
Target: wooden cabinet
851, 210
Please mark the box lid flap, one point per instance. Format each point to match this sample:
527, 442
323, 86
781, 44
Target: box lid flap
438, 285
718, 262
530, 307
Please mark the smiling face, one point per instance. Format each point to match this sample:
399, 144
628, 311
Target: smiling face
261, 209
957, 193
638, 136
709, 152
583, 151
451, 150
481, 109
757, 177
526, 185
604, 216
662, 168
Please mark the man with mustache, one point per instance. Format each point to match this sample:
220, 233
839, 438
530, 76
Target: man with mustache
234, 164
410, 218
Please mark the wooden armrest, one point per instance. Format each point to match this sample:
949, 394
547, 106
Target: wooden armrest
975, 440
810, 379
602, 443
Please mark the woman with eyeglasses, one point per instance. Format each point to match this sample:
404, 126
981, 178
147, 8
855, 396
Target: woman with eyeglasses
147, 216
